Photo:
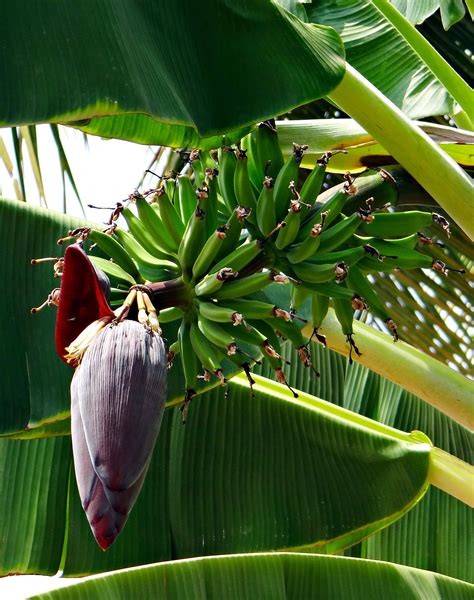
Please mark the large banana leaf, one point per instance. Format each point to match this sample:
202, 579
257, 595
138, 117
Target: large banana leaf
209, 67
33, 491
284, 576
436, 533
245, 474
379, 51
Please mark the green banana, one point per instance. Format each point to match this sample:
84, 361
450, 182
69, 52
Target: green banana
417, 260
245, 366
358, 282
169, 217
211, 206
338, 234
266, 220
405, 259
268, 149
142, 235
217, 335
309, 272
298, 296
292, 332
114, 271
234, 228
227, 164
291, 224
187, 200
197, 167
350, 256
210, 250
271, 345
255, 309
272, 352
328, 288
155, 225
169, 184
333, 207
389, 247
240, 257
400, 224
309, 246
167, 315
189, 363
243, 188
248, 334
345, 315
150, 267
319, 310
212, 282
219, 313
255, 169
287, 174
289, 330
173, 350
206, 352
116, 252
245, 286
314, 182
192, 242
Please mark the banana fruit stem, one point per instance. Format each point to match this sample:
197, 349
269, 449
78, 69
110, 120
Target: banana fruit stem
173, 292
426, 377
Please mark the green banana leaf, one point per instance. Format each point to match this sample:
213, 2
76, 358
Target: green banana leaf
379, 51
436, 533
120, 59
245, 474
283, 576
451, 11
33, 497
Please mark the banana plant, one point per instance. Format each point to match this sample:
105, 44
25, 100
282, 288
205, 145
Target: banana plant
260, 465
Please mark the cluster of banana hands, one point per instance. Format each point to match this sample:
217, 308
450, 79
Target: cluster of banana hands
199, 250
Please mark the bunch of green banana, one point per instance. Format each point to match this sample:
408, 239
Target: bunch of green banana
206, 244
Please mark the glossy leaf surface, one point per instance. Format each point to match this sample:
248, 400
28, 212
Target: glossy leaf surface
282, 576
120, 58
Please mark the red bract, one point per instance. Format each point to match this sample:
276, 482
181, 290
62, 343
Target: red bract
82, 298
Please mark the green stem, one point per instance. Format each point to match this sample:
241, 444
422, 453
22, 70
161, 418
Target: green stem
173, 292
439, 174
424, 376
452, 475
453, 82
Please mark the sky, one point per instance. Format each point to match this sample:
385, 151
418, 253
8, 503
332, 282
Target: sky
105, 171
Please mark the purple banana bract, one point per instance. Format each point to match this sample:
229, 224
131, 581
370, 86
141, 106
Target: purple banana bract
118, 394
